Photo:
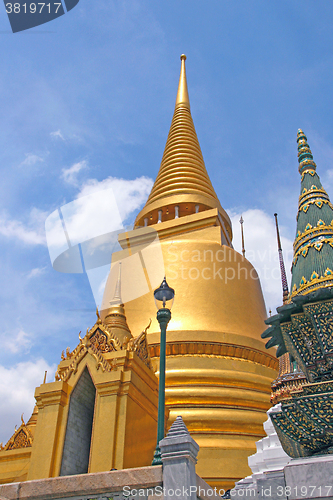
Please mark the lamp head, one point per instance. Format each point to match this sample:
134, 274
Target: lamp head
164, 296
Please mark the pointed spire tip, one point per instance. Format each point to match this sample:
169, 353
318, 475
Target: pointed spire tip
182, 94
305, 157
117, 293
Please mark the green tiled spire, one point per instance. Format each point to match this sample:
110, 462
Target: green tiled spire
312, 266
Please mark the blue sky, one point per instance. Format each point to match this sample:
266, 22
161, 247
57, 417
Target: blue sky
88, 99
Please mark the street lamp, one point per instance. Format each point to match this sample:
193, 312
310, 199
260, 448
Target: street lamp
163, 296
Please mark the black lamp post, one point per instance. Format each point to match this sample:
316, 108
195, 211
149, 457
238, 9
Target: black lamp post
163, 296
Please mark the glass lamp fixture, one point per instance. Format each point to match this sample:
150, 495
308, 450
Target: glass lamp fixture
164, 296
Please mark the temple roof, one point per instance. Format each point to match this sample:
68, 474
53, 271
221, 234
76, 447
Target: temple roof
182, 178
312, 266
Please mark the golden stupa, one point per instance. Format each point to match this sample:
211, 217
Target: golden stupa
100, 413
218, 372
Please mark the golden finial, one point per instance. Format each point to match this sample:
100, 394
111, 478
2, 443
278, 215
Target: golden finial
182, 94
99, 321
44, 381
147, 327
241, 220
115, 318
117, 293
23, 422
125, 341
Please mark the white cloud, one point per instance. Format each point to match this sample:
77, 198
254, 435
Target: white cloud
129, 194
31, 233
30, 160
37, 271
17, 387
93, 219
70, 174
100, 208
57, 135
261, 251
17, 342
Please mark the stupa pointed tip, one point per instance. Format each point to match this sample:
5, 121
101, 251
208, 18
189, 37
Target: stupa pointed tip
116, 300
182, 183
305, 157
182, 94
301, 135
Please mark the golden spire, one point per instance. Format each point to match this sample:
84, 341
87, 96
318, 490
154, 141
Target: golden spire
117, 293
182, 94
115, 318
241, 220
182, 186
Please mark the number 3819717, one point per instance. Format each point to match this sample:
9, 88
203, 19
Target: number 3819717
33, 8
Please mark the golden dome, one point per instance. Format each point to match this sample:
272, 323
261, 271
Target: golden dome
218, 372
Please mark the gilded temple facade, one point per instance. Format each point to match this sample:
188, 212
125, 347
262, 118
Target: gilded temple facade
89, 419
218, 372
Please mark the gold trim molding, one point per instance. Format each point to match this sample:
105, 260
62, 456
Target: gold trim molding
311, 232
313, 284
311, 172
216, 349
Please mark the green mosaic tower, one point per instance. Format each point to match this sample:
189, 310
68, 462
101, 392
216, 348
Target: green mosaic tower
313, 247
304, 325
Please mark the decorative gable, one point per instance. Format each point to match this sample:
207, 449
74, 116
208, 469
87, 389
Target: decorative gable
140, 346
99, 341
22, 438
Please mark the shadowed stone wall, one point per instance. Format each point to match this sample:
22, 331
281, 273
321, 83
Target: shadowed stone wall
75, 459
